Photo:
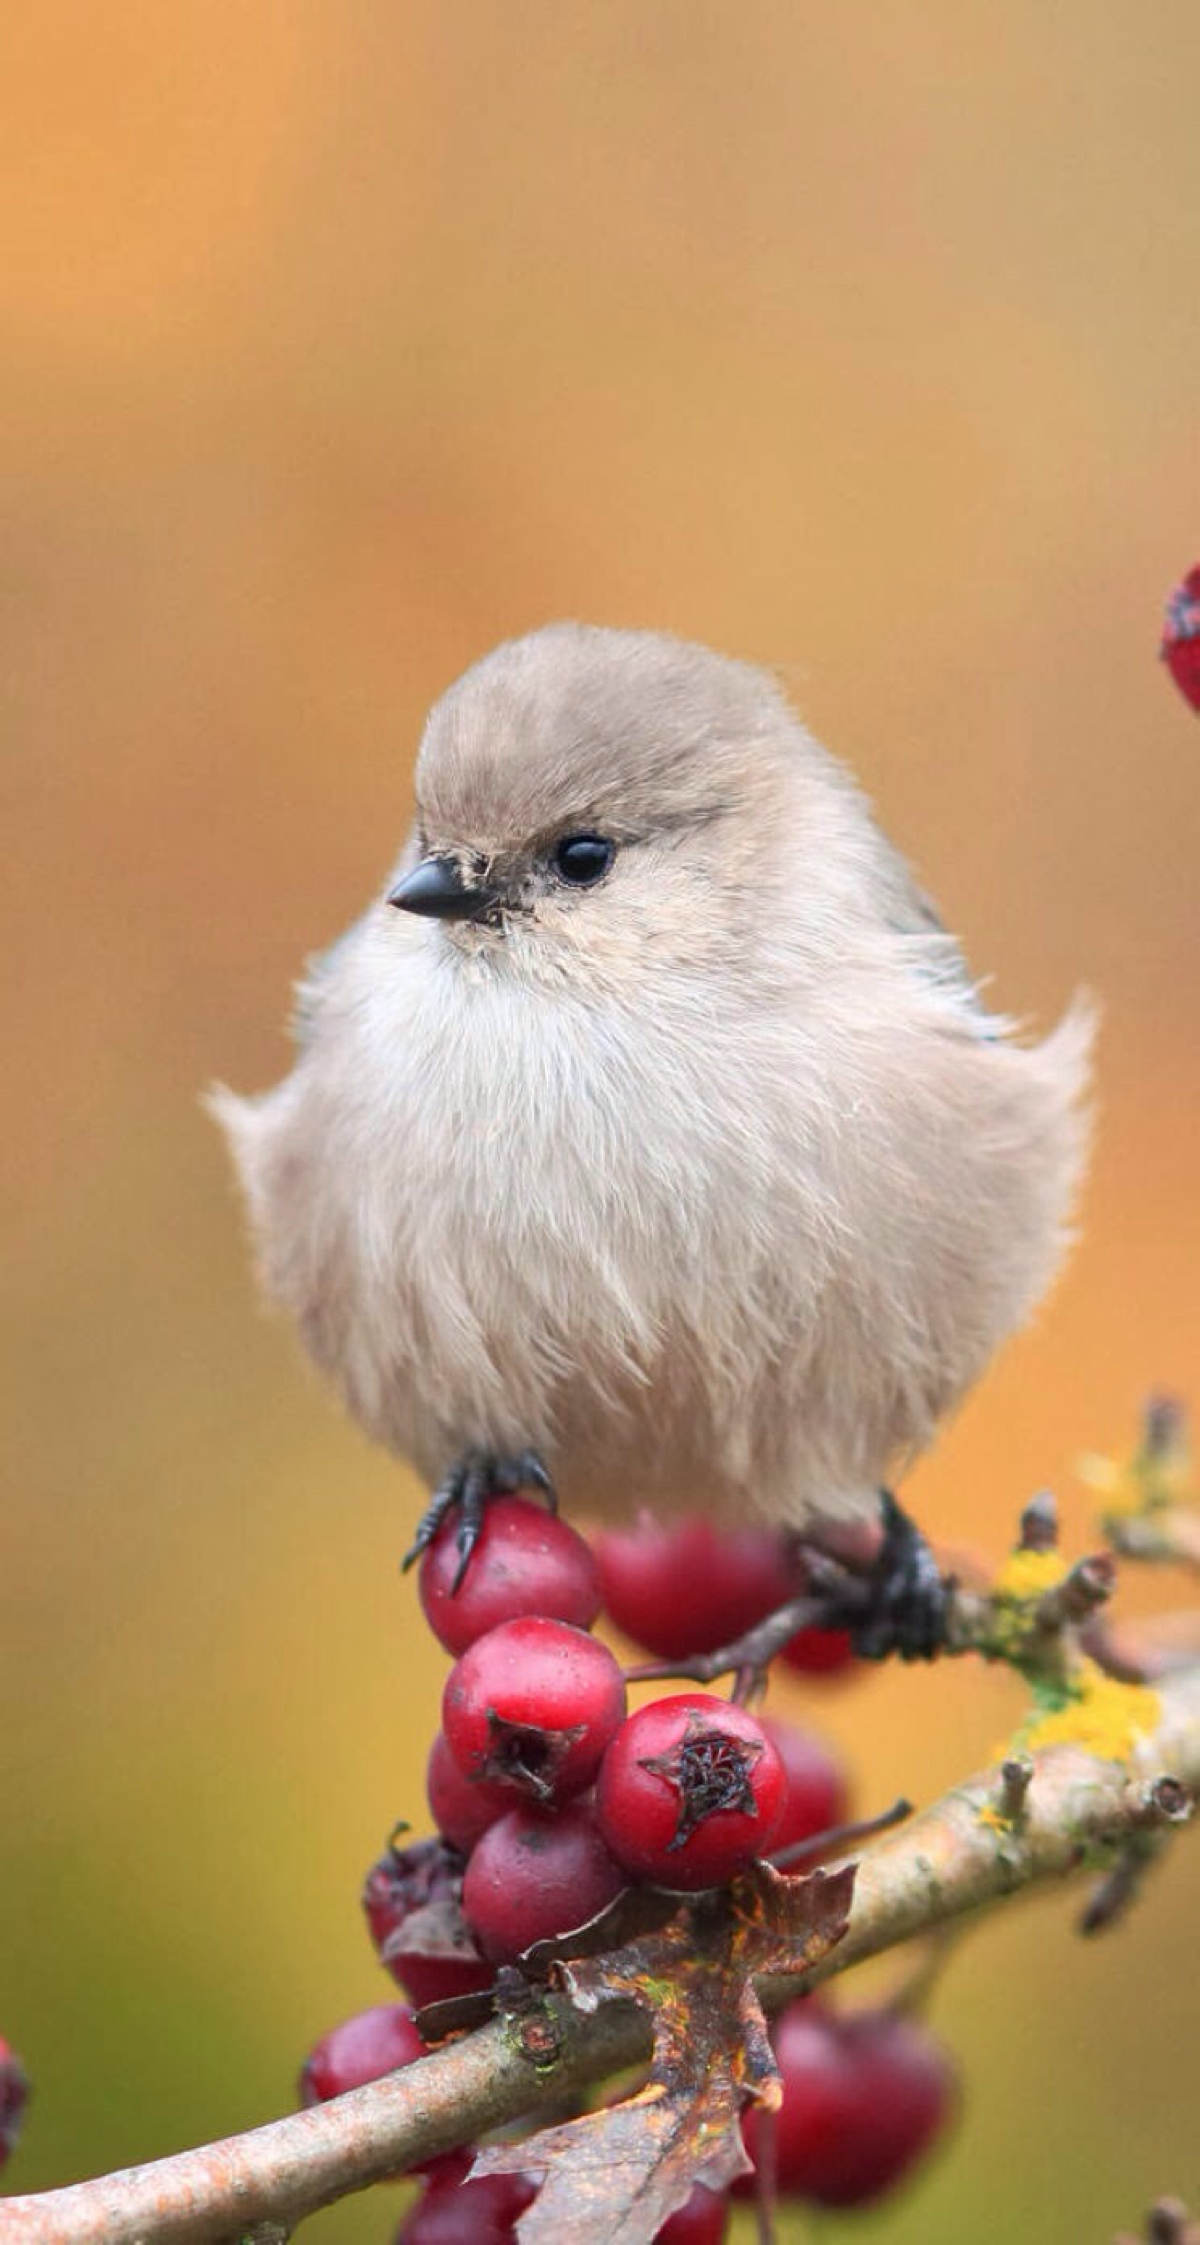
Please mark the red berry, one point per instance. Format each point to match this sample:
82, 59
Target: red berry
816, 1786
863, 2096
701, 2220
533, 1705
461, 1807
819, 1652
361, 2049
412, 1898
690, 1791
393, 1887
14, 2096
537, 1874
688, 1588
483, 2212
1181, 637
435, 1979
525, 1562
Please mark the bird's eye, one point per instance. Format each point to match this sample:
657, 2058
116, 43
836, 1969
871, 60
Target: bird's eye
583, 858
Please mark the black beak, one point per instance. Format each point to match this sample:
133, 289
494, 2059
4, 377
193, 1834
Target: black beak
436, 888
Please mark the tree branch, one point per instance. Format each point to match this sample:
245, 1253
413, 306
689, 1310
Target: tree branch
986, 1839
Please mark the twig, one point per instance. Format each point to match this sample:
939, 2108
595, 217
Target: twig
1149, 1648
1151, 1511
1080, 1594
963, 1853
840, 1838
292, 2167
1166, 1538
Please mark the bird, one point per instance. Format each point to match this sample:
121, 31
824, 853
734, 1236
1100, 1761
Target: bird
649, 1139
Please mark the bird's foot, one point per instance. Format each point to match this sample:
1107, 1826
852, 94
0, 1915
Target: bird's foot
471, 1484
899, 1604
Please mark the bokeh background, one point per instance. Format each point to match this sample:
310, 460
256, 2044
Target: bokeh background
339, 341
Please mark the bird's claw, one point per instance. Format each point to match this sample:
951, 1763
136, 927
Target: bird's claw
468, 1488
525, 1471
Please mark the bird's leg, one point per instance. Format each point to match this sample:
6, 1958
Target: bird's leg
899, 1603
468, 1488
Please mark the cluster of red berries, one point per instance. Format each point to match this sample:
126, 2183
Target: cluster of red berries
550, 1800
556, 1795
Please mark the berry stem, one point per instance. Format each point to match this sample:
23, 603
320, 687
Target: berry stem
840, 1838
749, 1656
766, 2185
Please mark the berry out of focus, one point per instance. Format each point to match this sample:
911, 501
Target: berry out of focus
1181, 637
14, 2096
865, 2094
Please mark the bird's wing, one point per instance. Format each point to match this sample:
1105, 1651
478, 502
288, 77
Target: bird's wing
936, 956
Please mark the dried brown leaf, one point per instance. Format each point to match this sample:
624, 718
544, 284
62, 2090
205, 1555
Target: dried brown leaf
614, 2176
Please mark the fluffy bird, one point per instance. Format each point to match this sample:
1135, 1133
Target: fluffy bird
648, 1134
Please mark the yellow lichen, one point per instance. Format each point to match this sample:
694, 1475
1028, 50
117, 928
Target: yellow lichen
1146, 1482
1024, 1578
1104, 1717
1027, 1575
993, 1818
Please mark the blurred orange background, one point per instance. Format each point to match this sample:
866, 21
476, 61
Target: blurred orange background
340, 342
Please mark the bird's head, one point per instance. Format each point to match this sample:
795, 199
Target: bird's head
589, 798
